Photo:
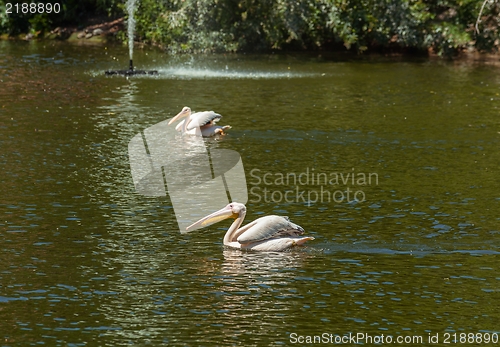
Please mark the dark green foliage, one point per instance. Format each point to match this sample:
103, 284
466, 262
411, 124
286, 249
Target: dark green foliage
443, 26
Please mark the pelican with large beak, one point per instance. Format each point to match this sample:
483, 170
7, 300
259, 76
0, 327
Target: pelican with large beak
205, 121
269, 233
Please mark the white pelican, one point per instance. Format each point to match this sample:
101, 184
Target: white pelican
205, 120
269, 233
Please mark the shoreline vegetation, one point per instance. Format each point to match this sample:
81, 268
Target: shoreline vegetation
448, 28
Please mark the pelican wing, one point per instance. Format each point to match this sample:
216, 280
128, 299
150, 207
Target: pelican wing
276, 245
203, 118
211, 131
269, 227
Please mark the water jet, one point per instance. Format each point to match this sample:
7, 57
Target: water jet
130, 32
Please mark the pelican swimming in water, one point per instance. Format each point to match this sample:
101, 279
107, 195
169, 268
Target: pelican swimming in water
204, 120
269, 233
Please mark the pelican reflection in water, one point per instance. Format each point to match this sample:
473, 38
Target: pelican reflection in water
204, 120
269, 233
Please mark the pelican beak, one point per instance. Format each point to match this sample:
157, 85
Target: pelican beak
183, 113
213, 218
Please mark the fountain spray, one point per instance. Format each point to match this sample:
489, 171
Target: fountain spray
130, 32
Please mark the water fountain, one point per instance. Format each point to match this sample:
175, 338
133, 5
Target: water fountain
130, 33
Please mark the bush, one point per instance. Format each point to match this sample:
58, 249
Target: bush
444, 26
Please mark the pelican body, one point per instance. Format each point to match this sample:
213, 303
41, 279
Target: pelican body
269, 233
205, 121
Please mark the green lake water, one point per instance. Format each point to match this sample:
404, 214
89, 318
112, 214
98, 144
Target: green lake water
87, 261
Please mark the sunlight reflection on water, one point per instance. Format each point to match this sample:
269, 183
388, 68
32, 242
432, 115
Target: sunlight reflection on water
195, 73
87, 260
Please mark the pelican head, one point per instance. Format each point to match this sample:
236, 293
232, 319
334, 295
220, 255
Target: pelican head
232, 210
186, 112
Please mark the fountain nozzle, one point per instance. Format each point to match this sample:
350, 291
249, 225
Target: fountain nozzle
131, 71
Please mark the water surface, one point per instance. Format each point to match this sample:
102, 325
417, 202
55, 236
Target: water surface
88, 261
